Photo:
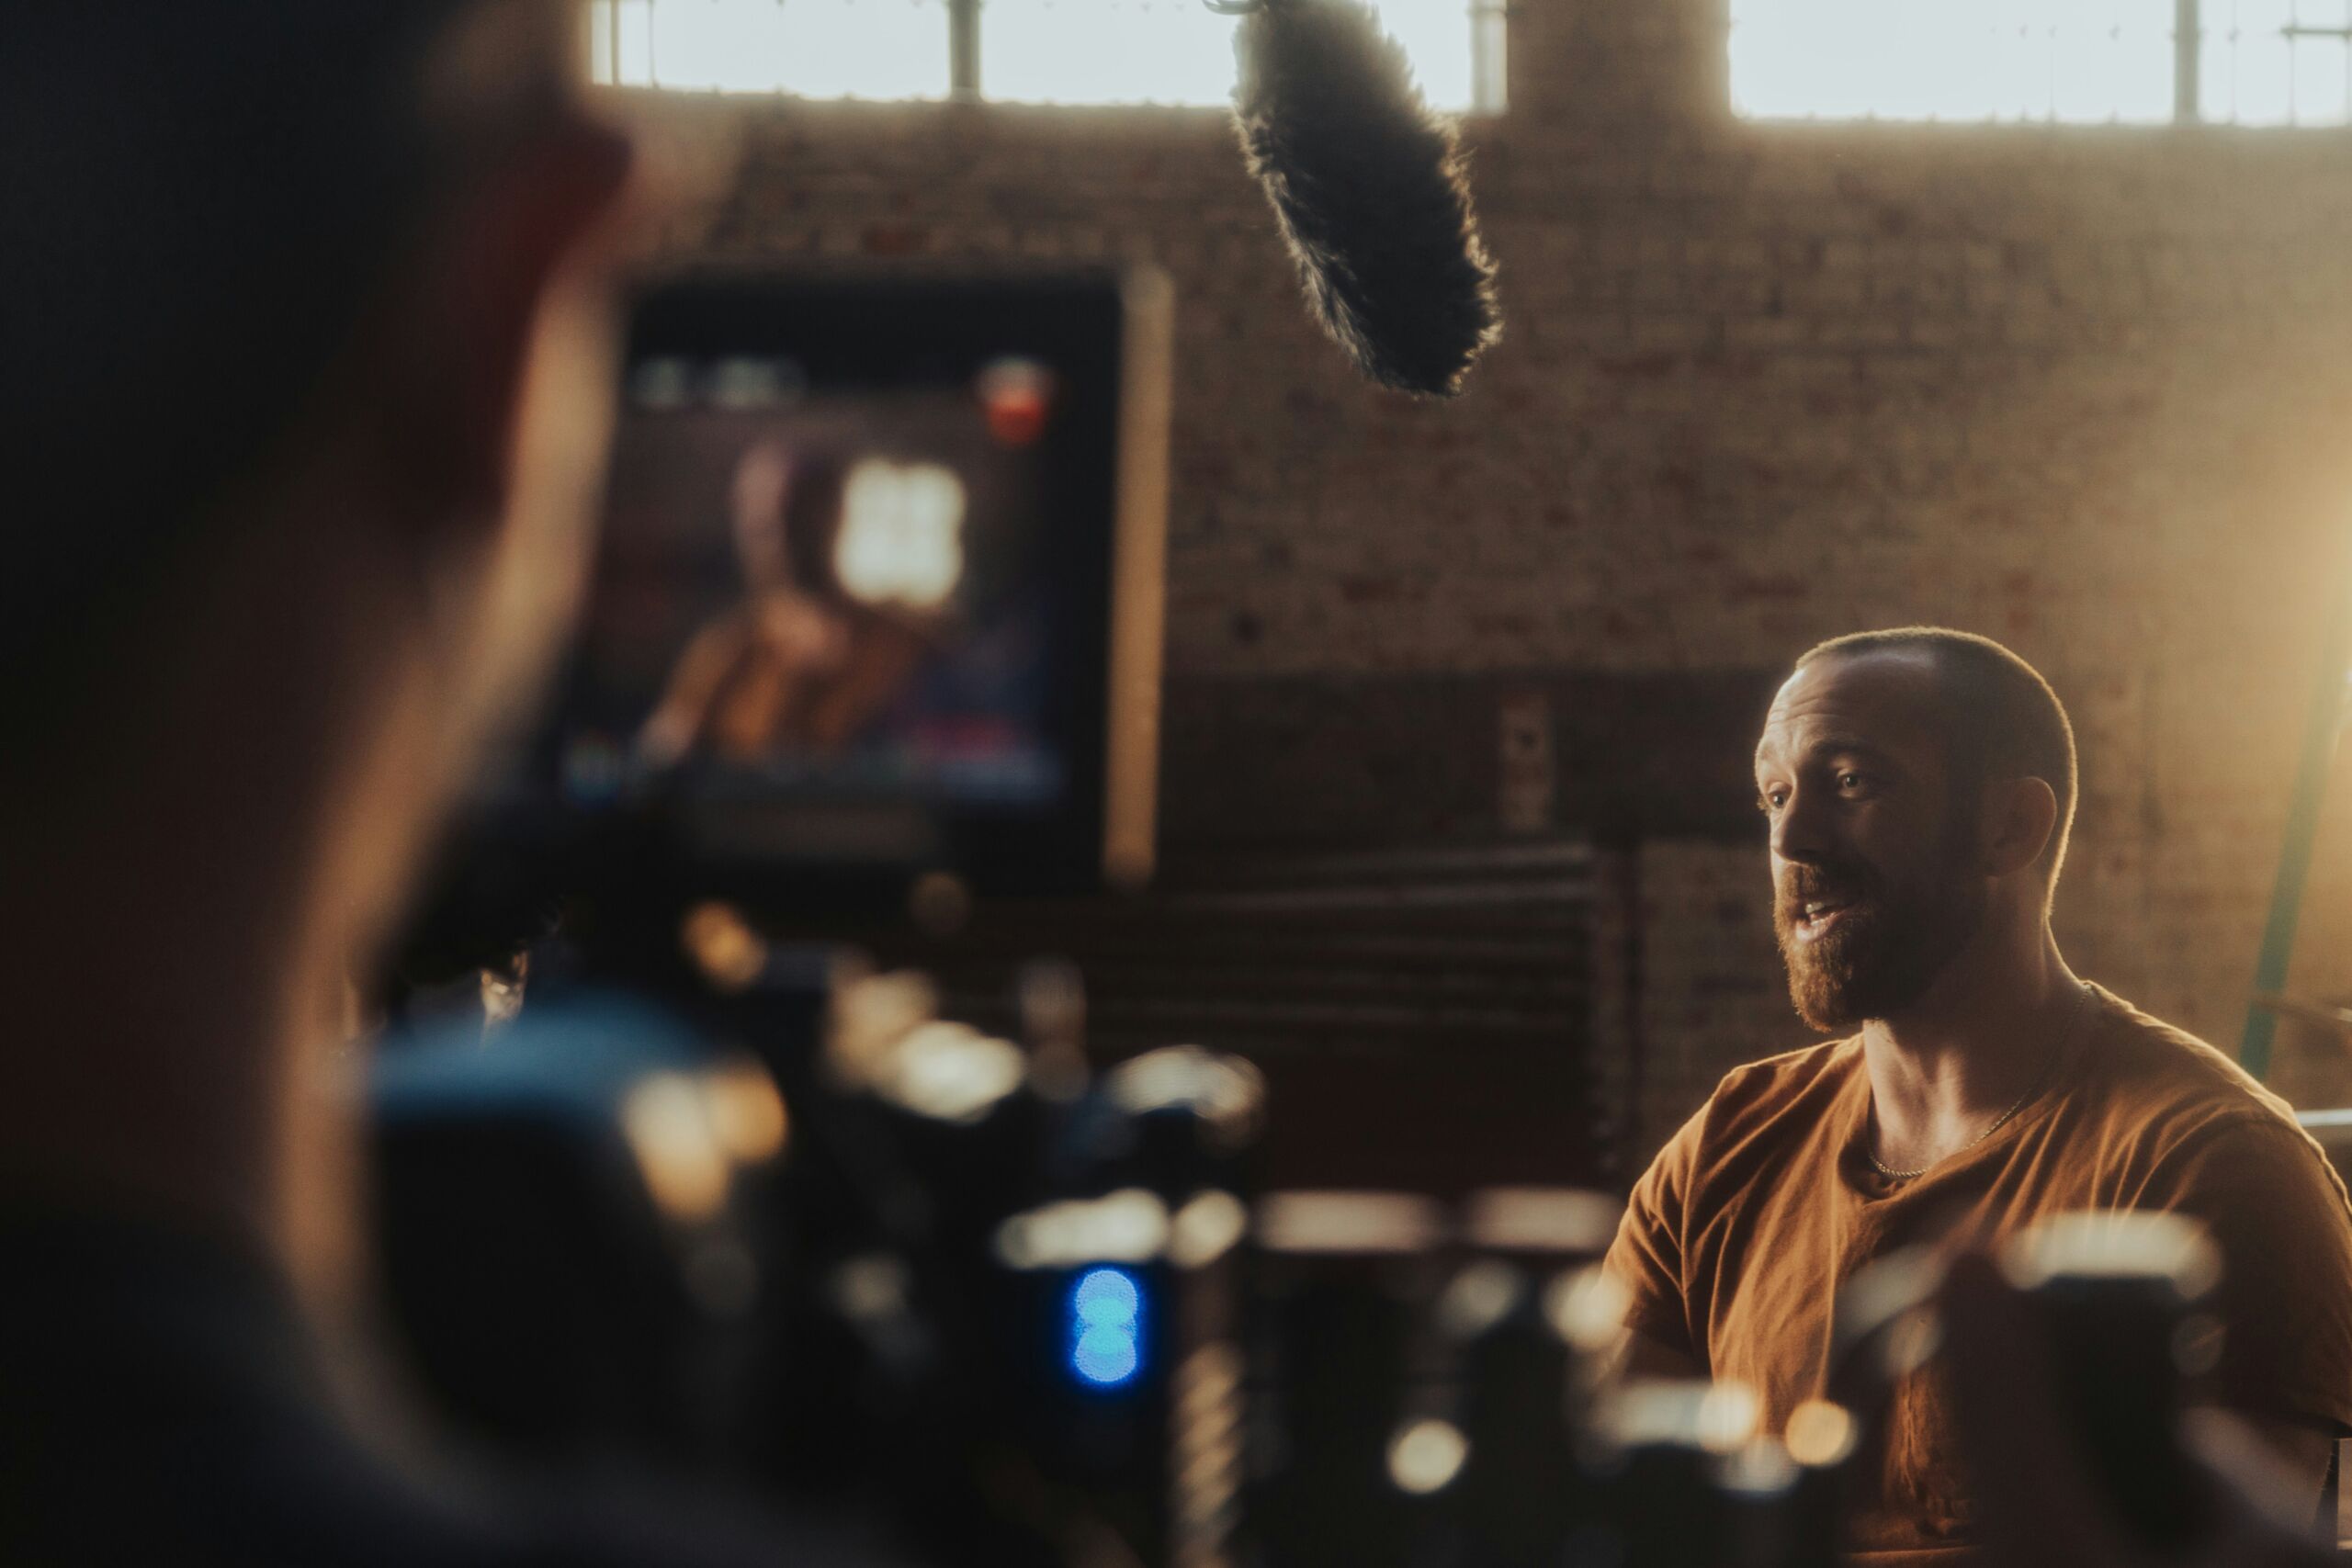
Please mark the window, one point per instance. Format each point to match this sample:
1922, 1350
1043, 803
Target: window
2277, 61
2122, 62
1050, 51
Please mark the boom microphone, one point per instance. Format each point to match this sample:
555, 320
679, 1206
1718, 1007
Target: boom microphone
1369, 187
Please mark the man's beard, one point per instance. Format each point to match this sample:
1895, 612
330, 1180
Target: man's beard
1887, 947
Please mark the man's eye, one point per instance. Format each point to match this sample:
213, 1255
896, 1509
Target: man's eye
1771, 800
1850, 780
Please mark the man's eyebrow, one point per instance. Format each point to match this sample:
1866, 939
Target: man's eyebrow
1847, 745
1836, 746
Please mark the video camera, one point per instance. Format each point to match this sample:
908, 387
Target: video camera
872, 636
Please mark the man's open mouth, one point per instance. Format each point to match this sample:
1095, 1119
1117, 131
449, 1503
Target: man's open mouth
1817, 918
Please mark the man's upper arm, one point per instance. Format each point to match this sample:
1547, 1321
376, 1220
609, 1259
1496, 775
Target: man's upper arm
2286, 1297
1648, 1258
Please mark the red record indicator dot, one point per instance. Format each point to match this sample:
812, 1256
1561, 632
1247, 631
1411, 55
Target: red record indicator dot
1017, 395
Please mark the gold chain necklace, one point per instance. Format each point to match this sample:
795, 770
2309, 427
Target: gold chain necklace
2074, 1025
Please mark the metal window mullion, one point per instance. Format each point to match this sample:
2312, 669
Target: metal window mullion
1489, 66
964, 50
2188, 61
2296, 34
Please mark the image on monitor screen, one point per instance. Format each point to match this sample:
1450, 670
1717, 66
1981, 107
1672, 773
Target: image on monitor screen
821, 597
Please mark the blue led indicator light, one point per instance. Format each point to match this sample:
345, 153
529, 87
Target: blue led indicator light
1105, 1356
1106, 1327
1105, 1296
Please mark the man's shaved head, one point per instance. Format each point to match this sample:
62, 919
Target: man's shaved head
1918, 785
2000, 719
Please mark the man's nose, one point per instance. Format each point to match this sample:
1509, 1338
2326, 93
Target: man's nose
1801, 831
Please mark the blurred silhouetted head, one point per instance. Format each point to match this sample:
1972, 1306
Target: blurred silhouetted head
277, 278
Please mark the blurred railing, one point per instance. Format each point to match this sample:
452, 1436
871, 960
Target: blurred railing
1425, 1016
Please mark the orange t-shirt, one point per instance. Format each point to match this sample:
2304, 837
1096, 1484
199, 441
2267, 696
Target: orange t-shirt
1738, 1236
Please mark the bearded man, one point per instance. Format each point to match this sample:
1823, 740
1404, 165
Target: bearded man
1920, 785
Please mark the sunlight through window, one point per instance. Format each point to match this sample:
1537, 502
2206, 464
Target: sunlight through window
1105, 51
1953, 59
2115, 61
817, 48
1048, 52
2277, 61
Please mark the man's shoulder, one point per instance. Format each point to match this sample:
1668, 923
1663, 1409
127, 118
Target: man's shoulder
1762, 1119
2181, 1104
1772, 1099
2169, 1082
1771, 1084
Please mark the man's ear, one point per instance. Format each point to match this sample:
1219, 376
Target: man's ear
2020, 817
463, 335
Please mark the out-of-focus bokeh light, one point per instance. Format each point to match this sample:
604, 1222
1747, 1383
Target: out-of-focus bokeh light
1425, 1456
1206, 1229
723, 945
952, 1072
1586, 1309
1479, 1297
746, 1112
1130, 1224
1106, 1312
1349, 1222
1720, 1417
1728, 1417
870, 1014
1758, 1469
1227, 1092
1106, 1296
902, 540
746, 381
1820, 1433
666, 1119
1542, 1219
1017, 396
872, 1287
1105, 1356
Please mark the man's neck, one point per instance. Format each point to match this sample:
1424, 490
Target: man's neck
1980, 1039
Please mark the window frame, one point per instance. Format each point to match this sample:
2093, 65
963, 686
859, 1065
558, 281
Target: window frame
1488, 22
2189, 39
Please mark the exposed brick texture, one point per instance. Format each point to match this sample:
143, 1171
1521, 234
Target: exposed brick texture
2084, 390
1711, 992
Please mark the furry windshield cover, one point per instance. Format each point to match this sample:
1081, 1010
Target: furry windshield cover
1370, 188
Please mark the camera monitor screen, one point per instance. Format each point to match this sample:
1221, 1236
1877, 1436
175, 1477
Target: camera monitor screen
878, 582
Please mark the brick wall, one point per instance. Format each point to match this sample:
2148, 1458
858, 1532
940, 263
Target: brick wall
2084, 390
